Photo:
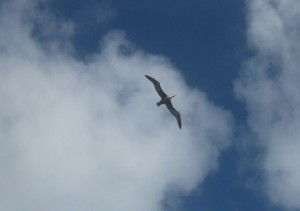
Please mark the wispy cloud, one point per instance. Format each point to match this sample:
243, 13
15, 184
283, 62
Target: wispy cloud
87, 135
270, 87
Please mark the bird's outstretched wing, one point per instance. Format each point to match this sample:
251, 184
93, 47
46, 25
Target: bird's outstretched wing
157, 87
174, 112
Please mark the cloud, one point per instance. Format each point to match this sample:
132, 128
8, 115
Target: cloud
87, 135
269, 85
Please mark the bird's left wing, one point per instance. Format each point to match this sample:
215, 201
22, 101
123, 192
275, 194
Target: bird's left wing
157, 86
174, 112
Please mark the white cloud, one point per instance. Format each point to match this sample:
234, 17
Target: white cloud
87, 135
270, 87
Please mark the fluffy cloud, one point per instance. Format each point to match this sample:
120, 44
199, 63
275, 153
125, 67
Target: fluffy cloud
87, 135
270, 87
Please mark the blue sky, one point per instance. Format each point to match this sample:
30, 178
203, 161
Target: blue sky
78, 125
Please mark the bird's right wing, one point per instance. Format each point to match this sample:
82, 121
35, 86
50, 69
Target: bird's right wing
157, 87
174, 112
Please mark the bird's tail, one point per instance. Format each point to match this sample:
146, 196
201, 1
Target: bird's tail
159, 103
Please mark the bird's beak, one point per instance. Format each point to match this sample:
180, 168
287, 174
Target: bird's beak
173, 96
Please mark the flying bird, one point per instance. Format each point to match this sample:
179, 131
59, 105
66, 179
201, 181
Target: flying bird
165, 99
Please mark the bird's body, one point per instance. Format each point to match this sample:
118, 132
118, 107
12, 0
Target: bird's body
165, 99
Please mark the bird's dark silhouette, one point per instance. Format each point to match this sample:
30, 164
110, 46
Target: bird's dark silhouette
165, 99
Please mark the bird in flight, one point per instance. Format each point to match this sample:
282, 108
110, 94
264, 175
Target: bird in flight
165, 99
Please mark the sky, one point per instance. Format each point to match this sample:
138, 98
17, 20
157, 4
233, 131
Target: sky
79, 125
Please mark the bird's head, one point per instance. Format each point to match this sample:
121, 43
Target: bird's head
172, 97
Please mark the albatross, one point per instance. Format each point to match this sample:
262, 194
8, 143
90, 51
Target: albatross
165, 99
